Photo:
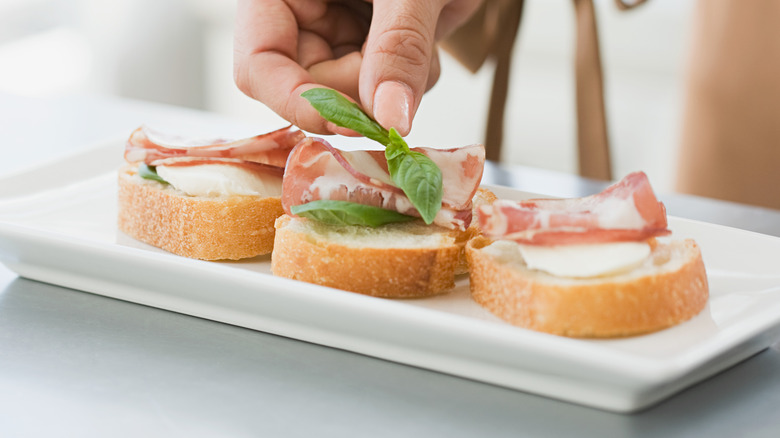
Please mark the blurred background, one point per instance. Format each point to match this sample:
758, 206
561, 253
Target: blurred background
179, 52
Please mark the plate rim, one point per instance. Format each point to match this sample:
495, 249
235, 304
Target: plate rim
646, 372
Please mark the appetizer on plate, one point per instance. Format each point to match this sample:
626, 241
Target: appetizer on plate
597, 266
210, 200
389, 223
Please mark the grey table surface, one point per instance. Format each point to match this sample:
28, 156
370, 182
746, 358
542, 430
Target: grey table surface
78, 364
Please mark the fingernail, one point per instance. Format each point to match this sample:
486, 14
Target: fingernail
392, 101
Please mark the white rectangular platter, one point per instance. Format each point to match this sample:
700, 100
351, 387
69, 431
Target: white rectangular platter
64, 232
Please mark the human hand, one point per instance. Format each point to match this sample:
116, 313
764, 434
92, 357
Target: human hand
382, 54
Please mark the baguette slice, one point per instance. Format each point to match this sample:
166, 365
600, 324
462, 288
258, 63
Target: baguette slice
206, 228
401, 260
669, 288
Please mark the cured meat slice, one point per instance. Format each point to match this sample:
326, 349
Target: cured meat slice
272, 148
626, 211
316, 170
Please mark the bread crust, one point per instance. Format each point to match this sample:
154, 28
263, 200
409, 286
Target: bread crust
223, 228
388, 272
608, 307
483, 196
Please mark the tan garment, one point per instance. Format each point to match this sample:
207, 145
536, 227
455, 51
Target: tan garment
490, 33
730, 145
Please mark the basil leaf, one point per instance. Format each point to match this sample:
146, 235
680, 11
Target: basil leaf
396, 147
348, 213
417, 175
339, 110
149, 172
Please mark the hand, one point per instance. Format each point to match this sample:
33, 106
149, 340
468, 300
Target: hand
382, 54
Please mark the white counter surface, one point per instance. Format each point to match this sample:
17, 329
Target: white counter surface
78, 364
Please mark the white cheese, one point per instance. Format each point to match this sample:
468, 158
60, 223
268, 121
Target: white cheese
574, 261
214, 180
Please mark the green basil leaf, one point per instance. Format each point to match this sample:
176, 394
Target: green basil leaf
396, 145
395, 153
348, 213
417, 175
338, 109
149, 172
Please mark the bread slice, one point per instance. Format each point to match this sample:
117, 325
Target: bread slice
207, 228
668, 288
401, 260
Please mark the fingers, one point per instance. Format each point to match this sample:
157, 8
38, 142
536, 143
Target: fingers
434, 72
283, 48
340, 74
266, 63
312, 49
275, 80
396, 69
337, 22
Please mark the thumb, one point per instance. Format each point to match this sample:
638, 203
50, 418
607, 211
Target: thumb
399, 50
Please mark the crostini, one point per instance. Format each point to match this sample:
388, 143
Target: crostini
597, 266
210, 200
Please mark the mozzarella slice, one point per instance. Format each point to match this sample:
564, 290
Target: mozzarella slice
213, 180
585, 260
574, 261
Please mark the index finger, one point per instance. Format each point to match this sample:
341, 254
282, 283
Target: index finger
265, 66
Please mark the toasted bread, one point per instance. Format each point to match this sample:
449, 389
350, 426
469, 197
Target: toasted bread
207, 228
400, 260
668, 288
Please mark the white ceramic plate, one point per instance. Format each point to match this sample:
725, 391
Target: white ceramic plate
65, 233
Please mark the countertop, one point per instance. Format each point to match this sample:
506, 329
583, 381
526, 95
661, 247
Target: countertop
78, 364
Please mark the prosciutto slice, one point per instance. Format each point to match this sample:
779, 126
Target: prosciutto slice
626, 211
316, 170
271, 148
